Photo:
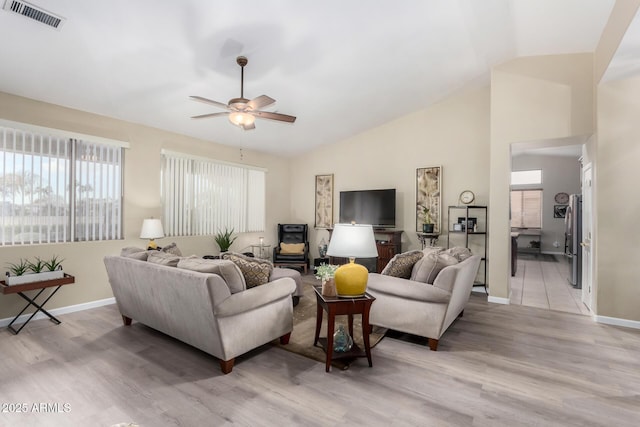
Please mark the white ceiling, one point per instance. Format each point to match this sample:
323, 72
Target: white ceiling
340, 66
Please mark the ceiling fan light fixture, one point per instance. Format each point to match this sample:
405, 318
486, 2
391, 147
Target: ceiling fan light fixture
239, 118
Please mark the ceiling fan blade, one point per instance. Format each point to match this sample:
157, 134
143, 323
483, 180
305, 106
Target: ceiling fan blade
209, 101
260, 102
248, 127
274, 116
204, 116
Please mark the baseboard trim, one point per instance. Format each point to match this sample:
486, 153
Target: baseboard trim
618, 322
61, 310
498, 300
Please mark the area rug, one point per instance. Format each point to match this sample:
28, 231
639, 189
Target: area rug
304, 328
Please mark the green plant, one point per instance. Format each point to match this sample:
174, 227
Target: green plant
37, 266
19, 268
53, 264
425, 214
326, 271
224, 239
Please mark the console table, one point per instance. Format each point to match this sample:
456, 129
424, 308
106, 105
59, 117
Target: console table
20, 289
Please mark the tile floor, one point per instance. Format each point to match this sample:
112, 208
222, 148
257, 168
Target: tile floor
541, 281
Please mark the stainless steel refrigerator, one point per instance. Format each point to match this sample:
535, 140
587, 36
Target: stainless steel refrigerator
573, 238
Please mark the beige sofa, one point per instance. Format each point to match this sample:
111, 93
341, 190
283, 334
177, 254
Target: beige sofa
200, 308
420, 308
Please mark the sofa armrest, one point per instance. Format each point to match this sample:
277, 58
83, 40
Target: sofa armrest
410, 289
258, 296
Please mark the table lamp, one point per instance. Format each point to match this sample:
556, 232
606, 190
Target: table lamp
152, 229
352, 241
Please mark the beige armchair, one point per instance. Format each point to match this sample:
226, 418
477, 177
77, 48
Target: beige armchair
420, 308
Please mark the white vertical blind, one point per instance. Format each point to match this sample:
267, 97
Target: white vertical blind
203, 196
57, 189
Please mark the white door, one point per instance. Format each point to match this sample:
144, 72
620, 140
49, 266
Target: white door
587, 241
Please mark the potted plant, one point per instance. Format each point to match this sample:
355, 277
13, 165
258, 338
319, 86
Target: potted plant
427, 224
26, 271
325, 273
224, 239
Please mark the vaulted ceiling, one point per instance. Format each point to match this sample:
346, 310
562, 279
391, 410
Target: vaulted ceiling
340, 66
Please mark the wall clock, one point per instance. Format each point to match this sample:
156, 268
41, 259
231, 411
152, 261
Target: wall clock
467, 197
562, 198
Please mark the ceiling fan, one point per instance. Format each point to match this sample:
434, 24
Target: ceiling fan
243, 112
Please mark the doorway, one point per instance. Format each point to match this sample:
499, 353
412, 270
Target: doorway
543, 271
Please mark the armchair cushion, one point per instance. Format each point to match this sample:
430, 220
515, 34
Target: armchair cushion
256, 271
226, 269
292, 248
459, 253
401, 265
135, 253
172, 248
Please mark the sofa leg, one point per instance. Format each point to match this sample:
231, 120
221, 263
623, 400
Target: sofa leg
227, 365
285, 339
126, 320
295, 299
433, 344
461, 313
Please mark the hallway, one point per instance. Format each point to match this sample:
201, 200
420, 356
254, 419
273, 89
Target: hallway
541, 281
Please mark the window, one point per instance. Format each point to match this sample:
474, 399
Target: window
526, 208
526, 177
56, 188
203, 196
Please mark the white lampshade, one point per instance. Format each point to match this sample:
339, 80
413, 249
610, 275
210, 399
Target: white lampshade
352, 241
151, 229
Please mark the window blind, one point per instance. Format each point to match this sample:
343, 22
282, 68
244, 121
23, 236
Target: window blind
57, 189
203, 196
526, 208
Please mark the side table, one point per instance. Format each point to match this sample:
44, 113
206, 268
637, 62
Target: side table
336, 306
20, 289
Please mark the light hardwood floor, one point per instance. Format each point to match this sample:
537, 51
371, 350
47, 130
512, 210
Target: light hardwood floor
499, 365
541, 281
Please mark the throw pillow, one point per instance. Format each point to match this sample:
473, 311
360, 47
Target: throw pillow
162, 258
292, 248
226, 269
426, 251
459, 253
431, 265
256, 271
172, 248
401, 265
135, 253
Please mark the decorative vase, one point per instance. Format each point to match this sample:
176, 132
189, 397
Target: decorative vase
329, 288
322, 248
342, 341
427, 228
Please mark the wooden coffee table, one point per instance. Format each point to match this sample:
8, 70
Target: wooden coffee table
338, 306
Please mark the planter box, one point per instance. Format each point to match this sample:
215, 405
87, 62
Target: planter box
34, 277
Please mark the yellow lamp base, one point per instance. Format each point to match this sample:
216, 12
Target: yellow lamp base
351, 279
152, 244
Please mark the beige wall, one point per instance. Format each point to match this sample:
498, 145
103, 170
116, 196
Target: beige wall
618, 204
142, 196
621, 16
453, 134
532, 98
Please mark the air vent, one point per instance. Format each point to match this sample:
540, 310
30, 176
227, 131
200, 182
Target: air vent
34, 12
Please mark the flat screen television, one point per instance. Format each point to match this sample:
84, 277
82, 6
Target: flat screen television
375, 207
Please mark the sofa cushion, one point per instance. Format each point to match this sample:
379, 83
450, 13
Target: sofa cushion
256, 271
459, 253
162, 258
172, 248
226, 269
431, 265
291, 248
428, 250
401, 265
135, 253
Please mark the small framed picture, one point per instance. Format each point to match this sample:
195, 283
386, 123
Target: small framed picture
471, 222
559, 211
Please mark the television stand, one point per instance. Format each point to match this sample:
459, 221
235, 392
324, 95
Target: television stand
388, 243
